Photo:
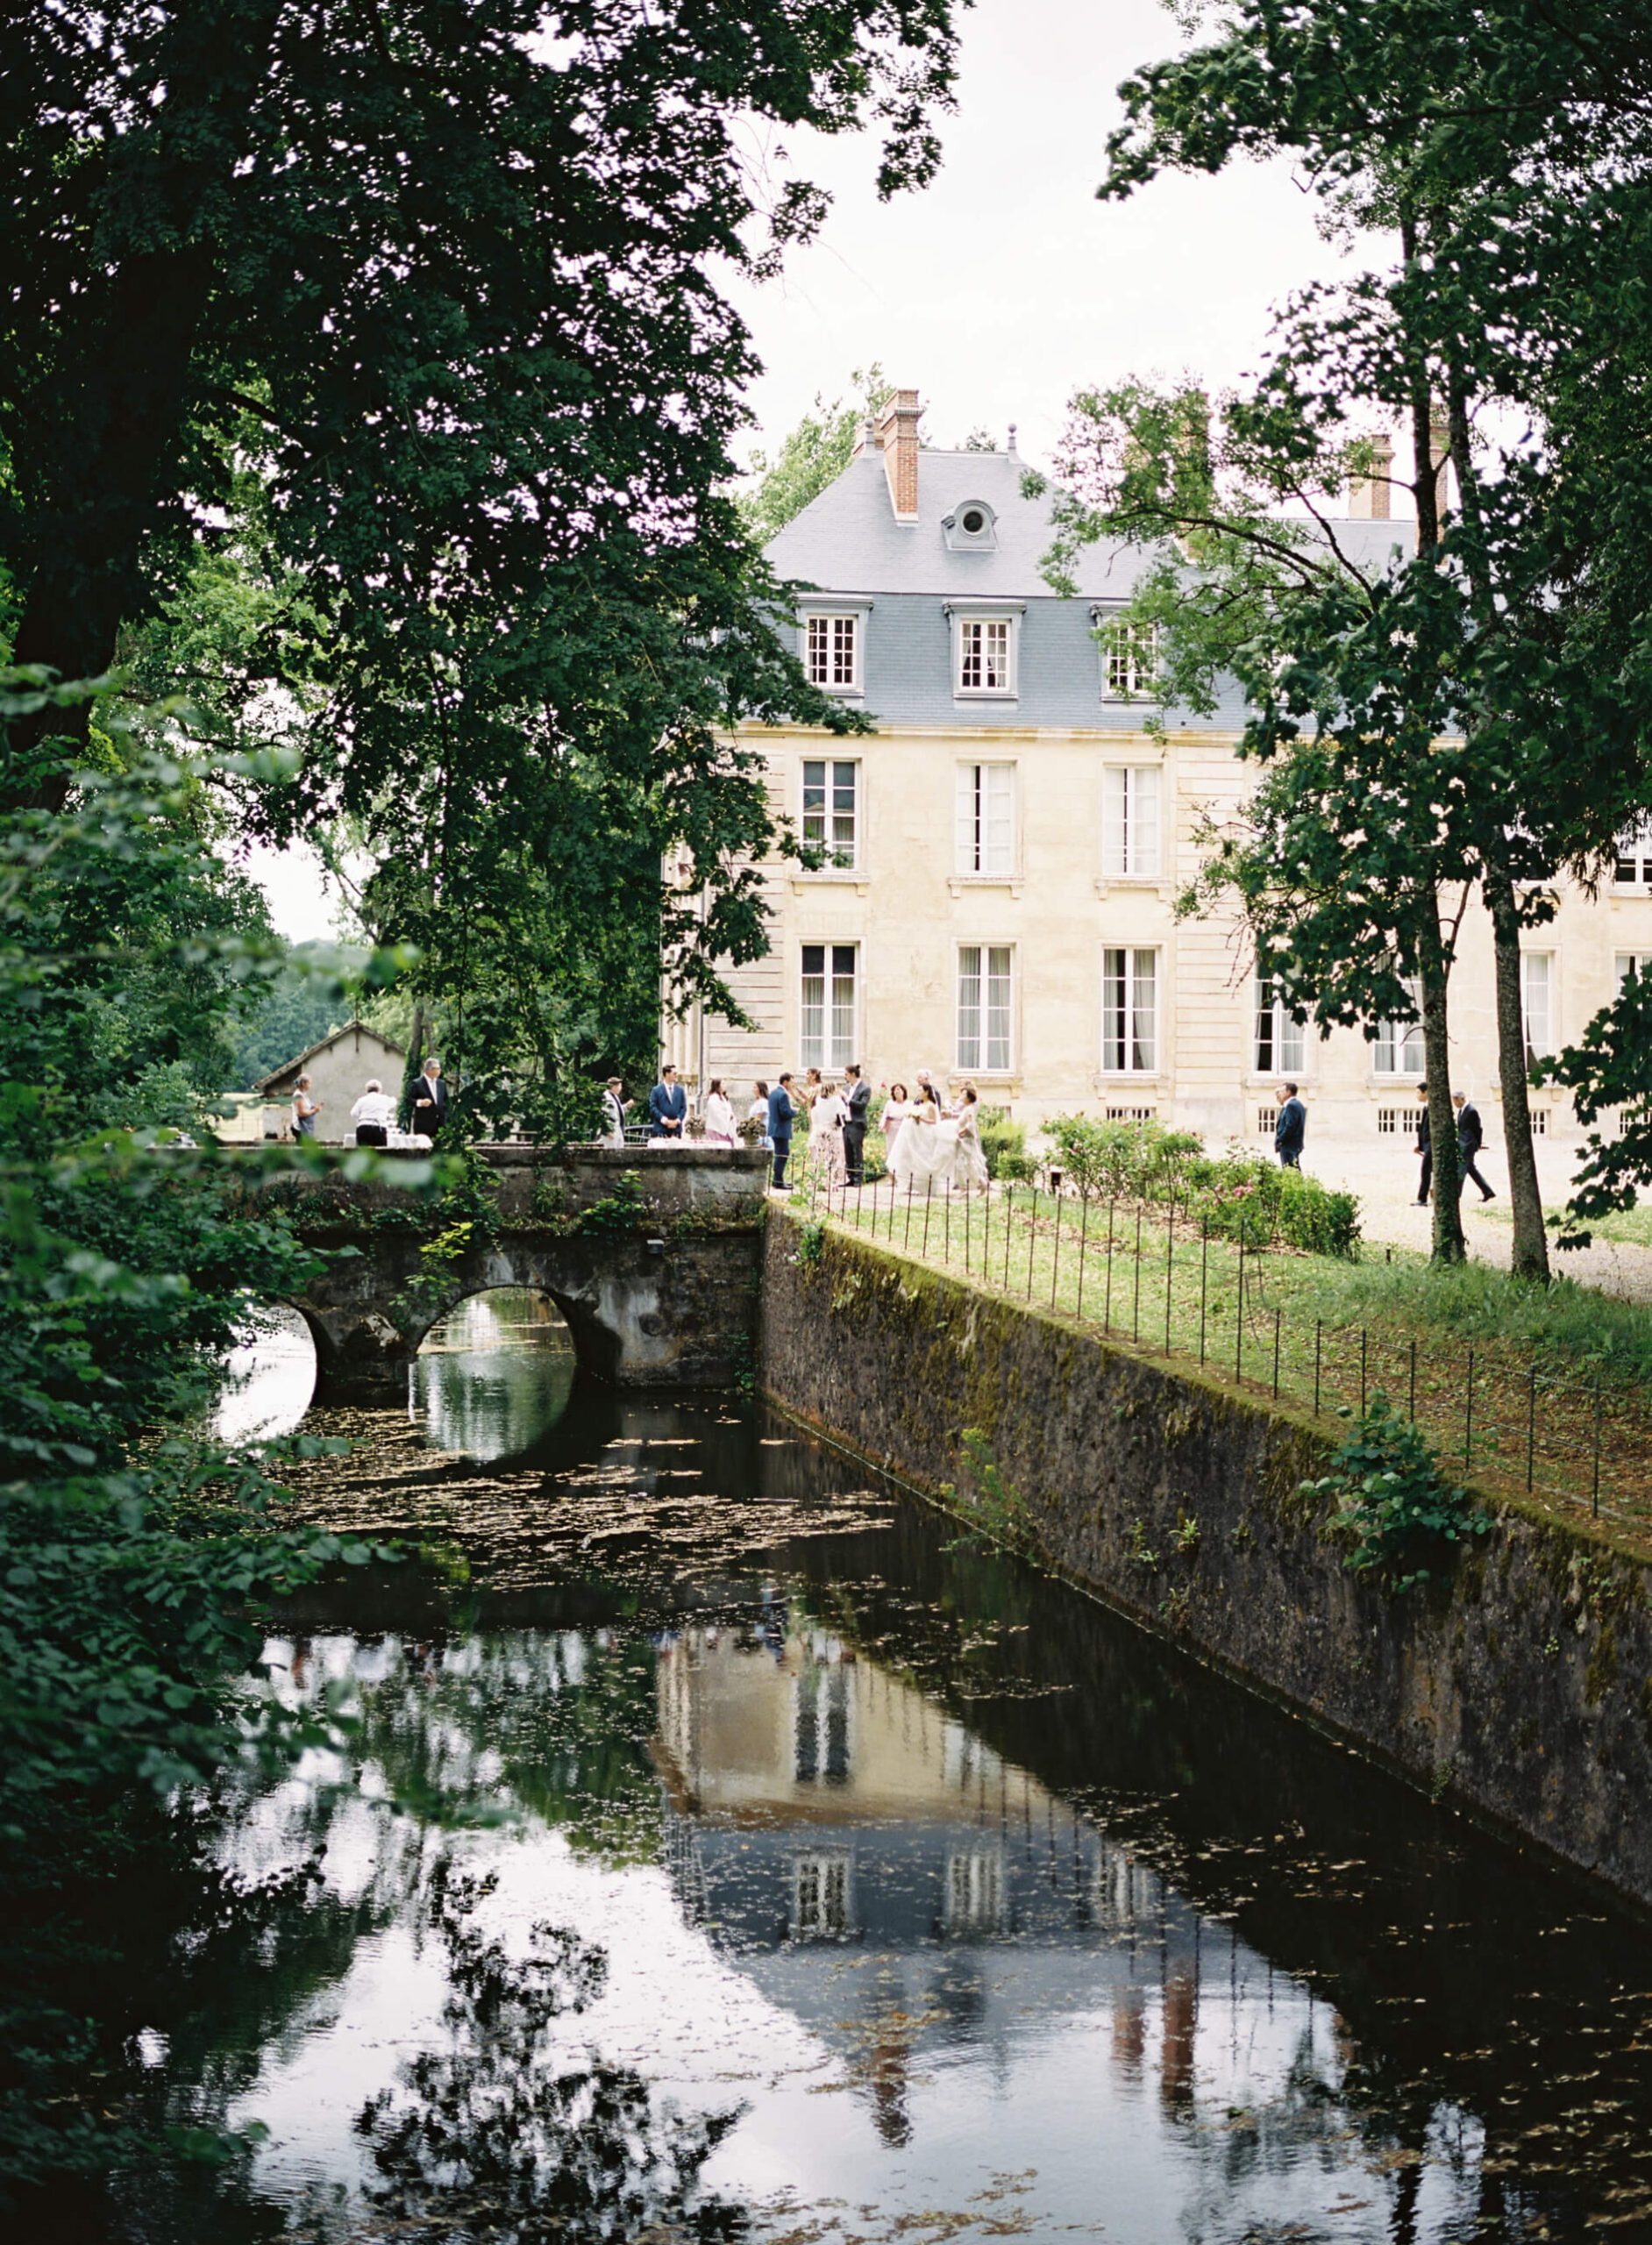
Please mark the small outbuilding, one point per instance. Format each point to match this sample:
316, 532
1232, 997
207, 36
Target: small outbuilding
339, 1068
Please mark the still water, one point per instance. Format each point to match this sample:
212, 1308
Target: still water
722, 1848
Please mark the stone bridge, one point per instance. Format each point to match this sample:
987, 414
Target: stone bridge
654, 1259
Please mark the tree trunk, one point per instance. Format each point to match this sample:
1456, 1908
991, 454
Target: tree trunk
1530, 1256
103, 459
1449, 1245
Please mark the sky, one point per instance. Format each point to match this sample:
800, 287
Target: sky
1005, 286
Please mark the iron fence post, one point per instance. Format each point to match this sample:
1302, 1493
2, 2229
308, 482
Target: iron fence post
1170, 1275
1204, 1283
1594, 1496
1531, 1424
1277, 1315
929, 1201
1084, 1235
906, 1229
1106, 1307
1054, 1265
1239, 1315
1009, 1210
1364, 1353
1413, 1382
1136, 1312
1318, 1337
1468, 1413
1032, 1241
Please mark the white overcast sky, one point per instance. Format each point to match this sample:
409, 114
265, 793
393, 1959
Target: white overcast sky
1006, 285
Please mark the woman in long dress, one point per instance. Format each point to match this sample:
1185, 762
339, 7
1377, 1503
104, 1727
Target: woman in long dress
826, 1130
896, 1109
915, 1149
719, 1115
969, 1161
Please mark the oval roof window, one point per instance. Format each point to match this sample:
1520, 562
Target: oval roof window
973, 520
970, 526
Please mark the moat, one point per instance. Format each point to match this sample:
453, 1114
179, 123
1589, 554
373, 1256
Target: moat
722, 1845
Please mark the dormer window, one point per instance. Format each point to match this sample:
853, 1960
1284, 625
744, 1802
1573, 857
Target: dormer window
832, 652
984, 651
972, 528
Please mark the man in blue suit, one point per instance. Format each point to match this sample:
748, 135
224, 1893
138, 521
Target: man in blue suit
780, 1113
667, 1106
1290, 1132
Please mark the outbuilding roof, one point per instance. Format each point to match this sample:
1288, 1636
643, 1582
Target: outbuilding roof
277, 1077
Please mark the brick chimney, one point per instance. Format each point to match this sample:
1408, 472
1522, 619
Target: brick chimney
898, 439
1367, 495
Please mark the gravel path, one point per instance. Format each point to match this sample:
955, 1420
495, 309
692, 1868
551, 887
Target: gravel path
1386, 1183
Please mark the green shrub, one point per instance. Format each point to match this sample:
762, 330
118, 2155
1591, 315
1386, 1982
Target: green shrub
1239, 1195
1004, 1144
1404, 1518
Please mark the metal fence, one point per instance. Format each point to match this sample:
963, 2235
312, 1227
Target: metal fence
1167, 1283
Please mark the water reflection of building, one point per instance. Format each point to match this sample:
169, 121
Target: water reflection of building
823, 1812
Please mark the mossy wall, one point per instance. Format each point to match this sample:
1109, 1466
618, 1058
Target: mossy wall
1521, 1691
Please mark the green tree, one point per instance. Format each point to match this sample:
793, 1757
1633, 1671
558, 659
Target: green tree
134, 1553
1508, 163
438, 284
812, 455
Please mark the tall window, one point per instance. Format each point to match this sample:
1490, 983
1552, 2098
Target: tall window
1399, 1042
1537, 1003
1130, 820
1129, 1012
828, 1038
822, 1896
1633, 962
984, 655
831, 651
831, 790
820, 1722
1634, 856
973, 1897
985, 818
1129, 659
984, 1009
1281, 1042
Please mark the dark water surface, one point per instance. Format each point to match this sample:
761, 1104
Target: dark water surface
818, 1876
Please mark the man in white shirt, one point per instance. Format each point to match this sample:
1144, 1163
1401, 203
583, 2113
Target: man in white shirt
373, 1114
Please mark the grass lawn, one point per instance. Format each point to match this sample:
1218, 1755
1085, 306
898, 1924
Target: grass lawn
1545, 1389
1625, 1227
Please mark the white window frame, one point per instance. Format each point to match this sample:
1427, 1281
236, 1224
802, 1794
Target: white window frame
829, 768
1120, 1024
823, 1051
974, 818
1402, 1043
822, 1894
1132, 821
828, 625
965, 624
1626, 963
1530, 960
1286, 1039
1633, 868
1130, 651
973, 1040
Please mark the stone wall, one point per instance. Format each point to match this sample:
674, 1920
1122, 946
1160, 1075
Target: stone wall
1522, 1691
535, 1179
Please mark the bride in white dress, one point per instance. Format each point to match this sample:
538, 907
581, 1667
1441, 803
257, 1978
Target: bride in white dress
926, 1152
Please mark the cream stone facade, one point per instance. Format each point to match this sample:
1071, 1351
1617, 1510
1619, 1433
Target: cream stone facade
1009, 843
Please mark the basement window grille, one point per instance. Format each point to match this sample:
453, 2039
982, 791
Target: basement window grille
1132, 1114
1267, 1122
1390, 1121
1540, 1121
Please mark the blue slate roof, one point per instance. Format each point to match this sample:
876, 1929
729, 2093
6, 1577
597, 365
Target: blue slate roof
848, 542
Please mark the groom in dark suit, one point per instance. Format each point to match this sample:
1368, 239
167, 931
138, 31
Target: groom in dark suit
667, 1106
858, 1095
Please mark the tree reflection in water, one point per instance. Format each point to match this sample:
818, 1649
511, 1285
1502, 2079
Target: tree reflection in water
491, 2137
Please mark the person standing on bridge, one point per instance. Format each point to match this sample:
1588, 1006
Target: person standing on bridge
667, 1106
306, 1108
373, 1114
428, 1112
615, 1108
781, 1113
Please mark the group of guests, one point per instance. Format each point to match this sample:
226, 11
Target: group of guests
929, 1145
374, 1113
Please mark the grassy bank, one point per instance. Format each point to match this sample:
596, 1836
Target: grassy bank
1541, 1388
